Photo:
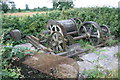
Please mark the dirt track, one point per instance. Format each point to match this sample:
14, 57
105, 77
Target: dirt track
23, 13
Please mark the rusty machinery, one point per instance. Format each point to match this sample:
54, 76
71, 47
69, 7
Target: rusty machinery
63, 31
66, 31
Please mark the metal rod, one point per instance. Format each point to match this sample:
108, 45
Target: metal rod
80, 37
102, 44
74, 32
32, 41
36, 39
64, 53
36, 44
77, 53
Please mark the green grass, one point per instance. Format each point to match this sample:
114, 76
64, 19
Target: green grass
96, 73
111, 42
118, 55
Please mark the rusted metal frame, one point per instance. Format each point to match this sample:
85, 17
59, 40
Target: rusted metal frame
72, 51
35, 38
36, 44
77, 53
64, 53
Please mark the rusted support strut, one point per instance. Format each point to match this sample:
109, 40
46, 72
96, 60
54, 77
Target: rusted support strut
74, 32
35, 42
80, 37
75, 53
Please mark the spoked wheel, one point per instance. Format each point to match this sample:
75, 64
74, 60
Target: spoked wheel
78, 22
57, 42
105, 31
53, 28
92, 30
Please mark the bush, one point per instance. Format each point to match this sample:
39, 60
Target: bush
34, 24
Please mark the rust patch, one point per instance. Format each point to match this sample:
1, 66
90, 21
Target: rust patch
48, 63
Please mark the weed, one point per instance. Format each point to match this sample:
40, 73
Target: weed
96, 73
117, 54
111, 42
99, 51
83, 44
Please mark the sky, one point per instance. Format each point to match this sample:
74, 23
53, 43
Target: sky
77, 3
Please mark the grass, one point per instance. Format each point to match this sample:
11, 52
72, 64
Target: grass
118, 55
86, 45
96, 73
111, 42
98, 52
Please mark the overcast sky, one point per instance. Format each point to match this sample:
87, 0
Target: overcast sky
77, 3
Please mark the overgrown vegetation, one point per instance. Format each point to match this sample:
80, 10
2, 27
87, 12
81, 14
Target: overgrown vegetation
96, 73
33, 25
118, 55
111, 42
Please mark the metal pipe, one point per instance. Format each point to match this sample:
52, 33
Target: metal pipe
80, 37
64, 53
34, 38
72, 55
32, 41
74, 32
37, 45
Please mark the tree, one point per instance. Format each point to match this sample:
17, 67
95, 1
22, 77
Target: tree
13, 6
27, 7
62, 4
5, 7
19, 10
55, 5
44, 8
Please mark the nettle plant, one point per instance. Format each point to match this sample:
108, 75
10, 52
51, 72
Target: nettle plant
9, 54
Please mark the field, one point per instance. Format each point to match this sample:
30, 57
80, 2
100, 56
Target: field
23, 13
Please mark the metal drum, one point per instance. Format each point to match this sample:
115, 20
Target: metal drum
63, 26
15, 34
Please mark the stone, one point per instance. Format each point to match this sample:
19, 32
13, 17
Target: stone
85, 65
109, 51
103, 59
90, 57
109, 64
26, 45
107, 60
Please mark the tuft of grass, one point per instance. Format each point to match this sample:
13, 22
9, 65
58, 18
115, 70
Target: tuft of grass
117, 54
96, 73
83, 44
98, 52
111, 42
